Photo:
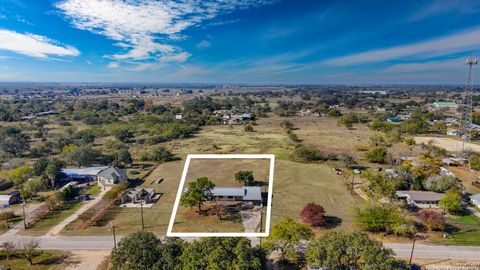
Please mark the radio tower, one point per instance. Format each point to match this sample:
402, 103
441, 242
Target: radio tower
467, 108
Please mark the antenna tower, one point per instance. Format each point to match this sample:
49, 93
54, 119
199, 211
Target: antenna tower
467, 107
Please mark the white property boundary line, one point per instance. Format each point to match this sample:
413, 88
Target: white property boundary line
224, 156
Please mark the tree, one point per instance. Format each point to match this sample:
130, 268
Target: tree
245, 177
234, 253
122, 157
28, 250
53, 171
143, 251
81, 156
475, 162
313, 214
13, 142
384, 218
123, 135
20, 175
451, 201
8, 248
285, 236
431, 219
39, 166
340, 250
158, 154
198, 192
438, 183
377, 154
307, 154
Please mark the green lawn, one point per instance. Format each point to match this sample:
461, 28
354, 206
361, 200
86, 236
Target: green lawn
468, 230
43, 260
42, 226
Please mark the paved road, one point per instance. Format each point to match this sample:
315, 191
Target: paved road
436, 252
106, 242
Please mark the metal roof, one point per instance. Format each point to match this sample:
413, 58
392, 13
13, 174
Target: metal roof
248, 193
84, 172
420, 195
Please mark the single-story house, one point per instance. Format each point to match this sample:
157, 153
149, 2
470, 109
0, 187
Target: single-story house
245, 193
111, 176
475, 199
11, 198
421, 199
452, 132
83, 174
137, 195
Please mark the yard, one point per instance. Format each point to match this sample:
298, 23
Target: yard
43, 260
467, 231
295, 184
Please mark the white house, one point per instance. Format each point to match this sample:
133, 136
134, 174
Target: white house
475, 199
111, 176
421, 199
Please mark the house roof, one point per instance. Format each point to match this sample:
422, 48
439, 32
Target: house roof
111, 172
420, 195
475, 197
131, 193
83, 172
252, 194
248, 193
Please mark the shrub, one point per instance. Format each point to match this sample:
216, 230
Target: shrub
432, 220
313, 214
4, 216
307, 154
377, 154
248, 128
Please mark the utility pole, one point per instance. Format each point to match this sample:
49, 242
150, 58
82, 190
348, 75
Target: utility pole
114, 239
413, 247
261, 223
353, 182
141, 210
24, 217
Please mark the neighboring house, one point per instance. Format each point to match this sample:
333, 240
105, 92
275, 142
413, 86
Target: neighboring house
83, 174
445, 172
111, 176
245, 194
12, 198
421, 199
475, 199
137, 195
394, 119
178, 117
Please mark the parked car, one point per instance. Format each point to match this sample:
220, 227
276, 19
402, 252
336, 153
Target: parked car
82, 197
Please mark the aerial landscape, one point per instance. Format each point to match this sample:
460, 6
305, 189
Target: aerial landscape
246, 135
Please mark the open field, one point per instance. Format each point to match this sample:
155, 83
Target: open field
221, 173
467, 233
449, 144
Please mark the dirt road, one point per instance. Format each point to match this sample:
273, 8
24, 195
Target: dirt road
86, 259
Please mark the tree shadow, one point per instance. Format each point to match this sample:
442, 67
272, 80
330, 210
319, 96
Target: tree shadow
332, 222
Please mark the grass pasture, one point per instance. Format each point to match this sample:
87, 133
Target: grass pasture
221, 173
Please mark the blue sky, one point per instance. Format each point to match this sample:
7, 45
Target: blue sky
238, 41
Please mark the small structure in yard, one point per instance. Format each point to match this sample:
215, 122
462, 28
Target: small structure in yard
452, 132
178, 116
111, 176
337, 171
11, 198
245, 194
421, 199
138, 195
475, 199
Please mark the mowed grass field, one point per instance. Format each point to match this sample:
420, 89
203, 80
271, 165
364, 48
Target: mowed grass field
295, 184
221, 172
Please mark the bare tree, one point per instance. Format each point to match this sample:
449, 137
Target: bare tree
9, 248
28, 250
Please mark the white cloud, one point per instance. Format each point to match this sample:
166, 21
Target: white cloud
448, 64
145, 29
455, 43
204, 44
33, 45
441, 7
113, 65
